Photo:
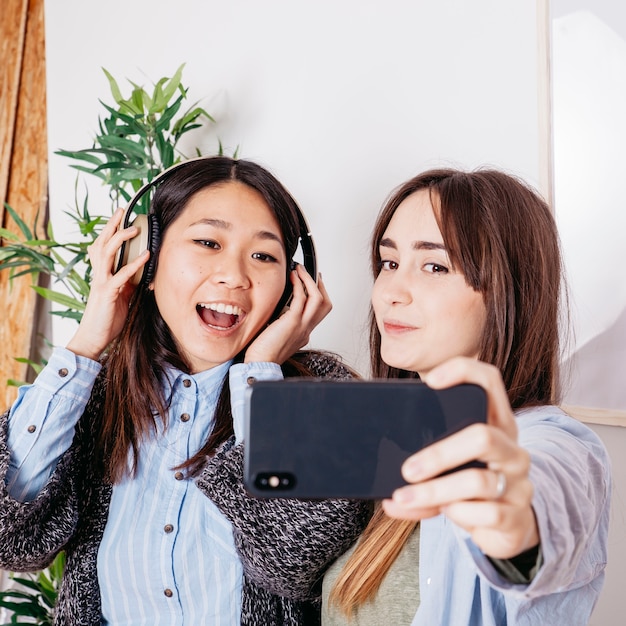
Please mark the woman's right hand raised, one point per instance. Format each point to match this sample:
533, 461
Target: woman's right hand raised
109, 296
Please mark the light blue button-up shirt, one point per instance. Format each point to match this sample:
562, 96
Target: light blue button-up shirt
167, 555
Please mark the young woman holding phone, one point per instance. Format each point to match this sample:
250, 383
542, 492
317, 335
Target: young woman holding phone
467, 288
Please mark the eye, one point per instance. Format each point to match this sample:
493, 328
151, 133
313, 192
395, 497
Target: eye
264, 257
436, 268
207, 243
387, 266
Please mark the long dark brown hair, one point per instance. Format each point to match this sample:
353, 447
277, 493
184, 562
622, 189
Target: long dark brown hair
136, 360
502, 236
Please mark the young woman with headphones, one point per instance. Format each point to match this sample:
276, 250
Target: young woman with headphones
127, 451
467, 287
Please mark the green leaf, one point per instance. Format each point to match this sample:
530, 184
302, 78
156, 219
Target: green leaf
159, 102
168, 114
59, 298
172, 86
37, 367
7, 234
81, 155
58, 567
70, 315
18, 220
125, 147
115, 90
166, 152
128, 119
26, 582
190, 116
16, 383
137, 100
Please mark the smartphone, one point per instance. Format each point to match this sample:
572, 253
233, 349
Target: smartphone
309, 438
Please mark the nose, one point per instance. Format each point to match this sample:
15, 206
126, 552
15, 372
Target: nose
393, 288
231, 271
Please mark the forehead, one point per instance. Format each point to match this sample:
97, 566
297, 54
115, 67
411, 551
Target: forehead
414, 219
234, 203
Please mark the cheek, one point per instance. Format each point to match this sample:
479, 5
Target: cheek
269, 294
476, 311
473, 320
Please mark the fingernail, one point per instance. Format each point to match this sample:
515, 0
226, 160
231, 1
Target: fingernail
402, 496
411, 470
433, 379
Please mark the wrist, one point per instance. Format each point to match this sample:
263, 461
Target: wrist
84, 349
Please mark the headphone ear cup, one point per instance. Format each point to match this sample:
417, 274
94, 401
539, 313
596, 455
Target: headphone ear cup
154, 242
132, 248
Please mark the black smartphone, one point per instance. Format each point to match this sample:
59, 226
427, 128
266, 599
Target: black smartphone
309, 438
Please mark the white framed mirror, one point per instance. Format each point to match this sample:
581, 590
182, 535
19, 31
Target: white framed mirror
586, 97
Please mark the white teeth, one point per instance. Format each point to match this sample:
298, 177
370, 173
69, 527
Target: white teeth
220, 307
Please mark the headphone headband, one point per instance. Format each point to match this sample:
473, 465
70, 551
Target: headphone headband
152, 234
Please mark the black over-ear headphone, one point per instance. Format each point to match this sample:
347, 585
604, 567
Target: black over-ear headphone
149, 236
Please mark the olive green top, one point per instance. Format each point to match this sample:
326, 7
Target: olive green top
397, 599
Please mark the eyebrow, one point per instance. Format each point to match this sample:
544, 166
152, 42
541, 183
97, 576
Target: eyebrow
267, 235
416, 245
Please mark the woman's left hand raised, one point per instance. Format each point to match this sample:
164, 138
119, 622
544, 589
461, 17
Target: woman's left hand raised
289, 333
493, 504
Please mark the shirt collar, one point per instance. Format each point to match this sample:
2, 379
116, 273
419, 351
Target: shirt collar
207, 382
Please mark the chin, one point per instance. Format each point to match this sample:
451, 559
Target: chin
399, 364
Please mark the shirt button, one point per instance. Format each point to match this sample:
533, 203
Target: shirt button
251, 380
63, 372
428, 581
179, 476
186, 383
184, 417
32, 428
168, 528
168, 593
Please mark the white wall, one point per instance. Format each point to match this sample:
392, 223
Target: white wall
341, 100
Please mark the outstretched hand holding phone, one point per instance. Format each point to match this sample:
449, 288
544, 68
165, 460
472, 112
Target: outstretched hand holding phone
493, 504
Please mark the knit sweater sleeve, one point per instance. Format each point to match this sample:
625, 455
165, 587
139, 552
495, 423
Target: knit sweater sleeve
285, 544
33, 533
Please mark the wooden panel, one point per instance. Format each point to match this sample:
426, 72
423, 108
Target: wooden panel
27, 191
590, 415
12, 33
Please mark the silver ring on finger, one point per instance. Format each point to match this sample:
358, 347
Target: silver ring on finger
500, 485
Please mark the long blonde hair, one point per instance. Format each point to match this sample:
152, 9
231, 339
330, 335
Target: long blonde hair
379, 546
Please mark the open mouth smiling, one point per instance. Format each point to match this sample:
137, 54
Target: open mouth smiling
219, 315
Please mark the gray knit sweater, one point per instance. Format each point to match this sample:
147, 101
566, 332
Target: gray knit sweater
285, 545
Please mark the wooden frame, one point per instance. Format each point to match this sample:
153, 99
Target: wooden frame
23, 166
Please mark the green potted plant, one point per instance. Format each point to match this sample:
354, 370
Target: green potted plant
35, 595
137, 139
